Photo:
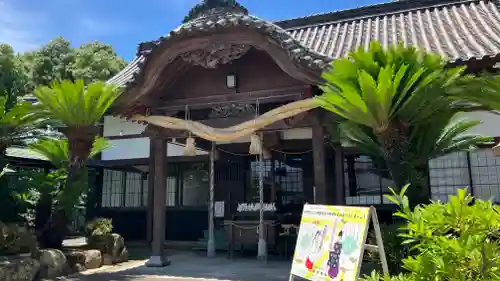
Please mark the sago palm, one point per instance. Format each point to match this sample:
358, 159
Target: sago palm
17, 124
401, 106
57, 151
54, 190
78, 108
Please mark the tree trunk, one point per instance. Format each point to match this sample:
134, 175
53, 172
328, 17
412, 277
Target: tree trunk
421, 192
395, 147
52, 236
10, 208
394, 141
80, 142
43, 213
43, 210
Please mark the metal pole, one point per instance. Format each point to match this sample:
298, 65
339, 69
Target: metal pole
211, 229
262, 246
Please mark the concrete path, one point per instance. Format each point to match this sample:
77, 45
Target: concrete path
192, 266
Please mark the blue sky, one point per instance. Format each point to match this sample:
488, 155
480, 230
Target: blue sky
27, 24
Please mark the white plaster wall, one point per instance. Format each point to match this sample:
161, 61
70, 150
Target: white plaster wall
296, 134
139, 148
114, 126
127, 149
490, 123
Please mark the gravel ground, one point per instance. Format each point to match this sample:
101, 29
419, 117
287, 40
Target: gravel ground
191, 266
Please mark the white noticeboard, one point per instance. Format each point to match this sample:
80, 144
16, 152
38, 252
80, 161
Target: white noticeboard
331, 242
219, 209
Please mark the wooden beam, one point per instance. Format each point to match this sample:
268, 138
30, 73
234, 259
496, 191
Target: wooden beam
155, 131
319, 159
267, 96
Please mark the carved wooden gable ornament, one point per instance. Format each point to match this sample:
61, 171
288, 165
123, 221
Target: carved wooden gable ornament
215, 54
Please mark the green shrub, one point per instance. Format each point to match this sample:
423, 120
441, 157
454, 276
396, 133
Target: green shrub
99, 227
395, 251
458, 240
15, 239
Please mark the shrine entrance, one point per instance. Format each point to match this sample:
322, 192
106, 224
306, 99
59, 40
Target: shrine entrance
239, 91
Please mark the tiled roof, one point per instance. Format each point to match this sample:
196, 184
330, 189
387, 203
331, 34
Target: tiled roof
127, 74
459, 30
24, 153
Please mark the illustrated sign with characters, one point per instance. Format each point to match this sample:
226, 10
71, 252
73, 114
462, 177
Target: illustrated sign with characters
331, 242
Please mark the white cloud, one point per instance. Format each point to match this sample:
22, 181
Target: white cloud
22, 29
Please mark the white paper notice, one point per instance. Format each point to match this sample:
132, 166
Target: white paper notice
219, 209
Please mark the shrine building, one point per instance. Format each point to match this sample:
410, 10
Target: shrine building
224, 66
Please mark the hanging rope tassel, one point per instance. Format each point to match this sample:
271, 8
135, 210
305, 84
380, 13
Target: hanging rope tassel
255, 145
190, 149
255, 140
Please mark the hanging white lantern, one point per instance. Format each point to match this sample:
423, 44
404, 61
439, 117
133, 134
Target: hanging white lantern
190, 149
255, 145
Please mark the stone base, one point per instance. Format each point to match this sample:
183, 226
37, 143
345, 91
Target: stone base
262, 250
211, 249
157, 261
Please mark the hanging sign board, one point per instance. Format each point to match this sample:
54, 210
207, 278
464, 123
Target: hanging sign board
331, 242
219, 209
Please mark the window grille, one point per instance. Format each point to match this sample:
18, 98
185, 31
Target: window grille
364, 184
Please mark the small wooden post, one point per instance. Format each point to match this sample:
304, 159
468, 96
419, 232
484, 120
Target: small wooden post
211, 227
380, 242
262, 244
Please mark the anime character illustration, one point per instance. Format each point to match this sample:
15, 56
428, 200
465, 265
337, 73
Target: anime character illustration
342, 250
317, 243
334, 256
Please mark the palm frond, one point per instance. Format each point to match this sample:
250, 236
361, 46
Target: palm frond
73, 104
100, 144
399, 104
56, 150
4, 171
19, 123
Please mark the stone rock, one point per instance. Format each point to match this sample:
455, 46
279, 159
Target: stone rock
16, 239
79, 267
118, 244
112, 247
53, 263
123, 257
75, 257
93, 259
18, 268
107, 259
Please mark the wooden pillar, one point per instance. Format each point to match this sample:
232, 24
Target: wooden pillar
159, 149
151, 184
211, 227
339, 194
319, 159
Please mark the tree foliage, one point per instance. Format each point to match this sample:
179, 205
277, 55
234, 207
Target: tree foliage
52, 62
207, 5
95, 62
402, 107
58, 61
17, 124
76, 104
458, 240
13, 78
57, 151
